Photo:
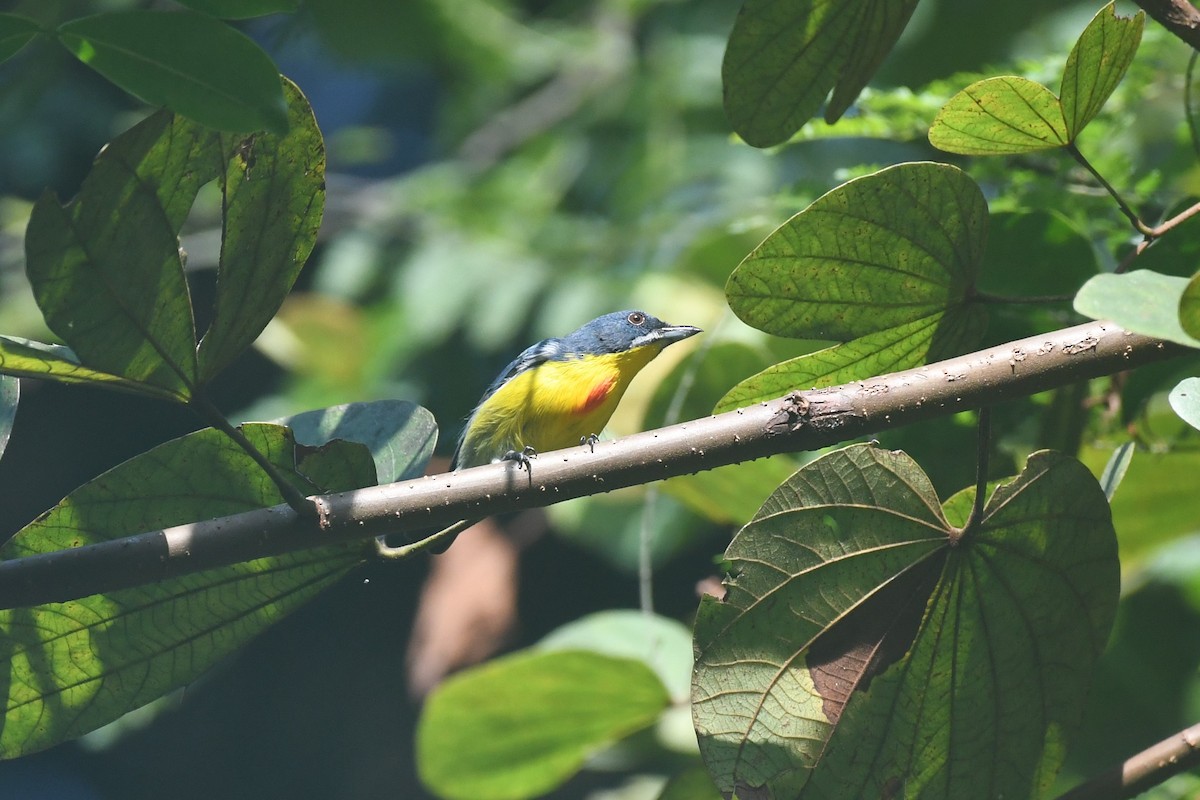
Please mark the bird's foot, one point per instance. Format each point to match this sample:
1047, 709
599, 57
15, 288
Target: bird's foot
523, 457
589, 440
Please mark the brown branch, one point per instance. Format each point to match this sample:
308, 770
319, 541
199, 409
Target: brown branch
801, 421
1148, 768
1177, 16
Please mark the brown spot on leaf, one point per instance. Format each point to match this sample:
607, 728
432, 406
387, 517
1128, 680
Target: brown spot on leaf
871, 637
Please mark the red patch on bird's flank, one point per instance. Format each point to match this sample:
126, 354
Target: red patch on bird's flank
596, 396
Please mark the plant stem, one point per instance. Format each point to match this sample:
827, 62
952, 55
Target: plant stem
1138, 225
291, 495
982, 454
383, 550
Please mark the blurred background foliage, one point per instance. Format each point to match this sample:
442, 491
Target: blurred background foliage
501, 171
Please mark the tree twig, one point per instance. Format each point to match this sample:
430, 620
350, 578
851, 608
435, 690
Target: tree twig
800, 421
1148, 768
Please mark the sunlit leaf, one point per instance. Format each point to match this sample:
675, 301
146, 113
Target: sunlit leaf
1096, 65
187, 62
274, 196
863, 646
882, 250
885, 263
78, 665
28, 359
1185, 400
521, 725
890, 350
664, 645
1141, 301
15, 32
1000, 116
10, 393
400, 435
784, 56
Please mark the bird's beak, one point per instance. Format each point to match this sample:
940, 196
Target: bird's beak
670, 333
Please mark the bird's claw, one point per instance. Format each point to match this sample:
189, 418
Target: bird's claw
523, 457
589, 440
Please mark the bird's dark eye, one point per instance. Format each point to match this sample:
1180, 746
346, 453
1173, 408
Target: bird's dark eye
636, 318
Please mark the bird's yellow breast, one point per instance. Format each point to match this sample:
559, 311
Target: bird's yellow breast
552, 405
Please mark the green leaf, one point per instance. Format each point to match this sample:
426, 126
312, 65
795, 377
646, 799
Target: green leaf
1096, 65
15, 32
890, 350
107, 275
1140, 301
730, 495
1185, 400
28, 359
691, 784
78, 665
10, 393
274, 191
1115, 469
1189, 308
662, 644
187, 62
863, 646
1000, 116
400, 435
883, 250
521, 725
241, 9
785, 55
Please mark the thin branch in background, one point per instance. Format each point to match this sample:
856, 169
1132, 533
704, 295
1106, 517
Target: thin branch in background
982, 454
1189, 109
1178, 16
1148, 768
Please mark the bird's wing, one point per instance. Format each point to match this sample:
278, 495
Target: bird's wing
529, 358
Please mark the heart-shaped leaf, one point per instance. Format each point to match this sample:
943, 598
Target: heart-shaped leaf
187, 62
885, 262
75, 666
785, 55
1000, 116
521, 725
866, 644
1096, 65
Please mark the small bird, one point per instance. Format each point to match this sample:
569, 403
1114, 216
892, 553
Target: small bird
562, 392
559, 393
